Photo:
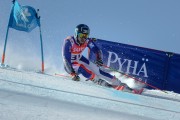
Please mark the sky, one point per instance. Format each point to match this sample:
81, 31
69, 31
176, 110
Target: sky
147, 23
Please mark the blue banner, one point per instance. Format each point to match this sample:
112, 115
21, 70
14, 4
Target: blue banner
23, 18
147, 65
173, 76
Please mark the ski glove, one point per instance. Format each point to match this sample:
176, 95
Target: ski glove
99, 62
76, 78
93, 39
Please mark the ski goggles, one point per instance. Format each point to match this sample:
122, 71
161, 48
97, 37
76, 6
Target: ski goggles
83, 35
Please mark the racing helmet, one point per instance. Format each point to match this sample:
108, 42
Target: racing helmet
82, 31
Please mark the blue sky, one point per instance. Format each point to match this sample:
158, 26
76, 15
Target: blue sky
147, 23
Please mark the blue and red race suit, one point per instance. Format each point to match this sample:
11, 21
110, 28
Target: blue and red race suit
75, 62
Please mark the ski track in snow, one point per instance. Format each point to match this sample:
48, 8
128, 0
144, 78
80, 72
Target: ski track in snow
153, 104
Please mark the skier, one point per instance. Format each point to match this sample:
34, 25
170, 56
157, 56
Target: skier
75, 63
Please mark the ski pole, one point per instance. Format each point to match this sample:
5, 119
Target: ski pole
67, 76
61, 75
133, 78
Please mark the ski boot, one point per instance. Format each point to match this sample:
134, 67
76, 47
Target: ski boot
137, 91
102, 83
125, 88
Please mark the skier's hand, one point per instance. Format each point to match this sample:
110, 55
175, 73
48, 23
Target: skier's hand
99, 62
93, 39
75, 77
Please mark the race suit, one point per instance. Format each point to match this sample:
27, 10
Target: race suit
75, 62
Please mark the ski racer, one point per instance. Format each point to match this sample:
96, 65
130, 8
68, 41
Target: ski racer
75, 63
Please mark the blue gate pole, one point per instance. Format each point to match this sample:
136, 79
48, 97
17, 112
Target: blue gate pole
5, 43
42, 53
7, 32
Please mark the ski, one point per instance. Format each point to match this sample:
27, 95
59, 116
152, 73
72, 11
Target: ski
138, 91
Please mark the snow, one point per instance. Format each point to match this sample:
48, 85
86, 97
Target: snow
27, 95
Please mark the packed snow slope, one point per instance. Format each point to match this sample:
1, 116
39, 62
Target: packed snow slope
32, 95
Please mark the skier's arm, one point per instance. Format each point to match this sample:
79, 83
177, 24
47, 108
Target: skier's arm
67, 57
92, 46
